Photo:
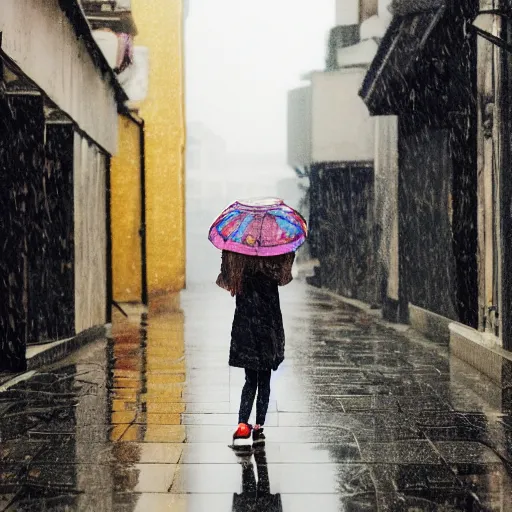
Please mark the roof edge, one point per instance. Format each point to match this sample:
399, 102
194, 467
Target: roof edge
409, 7
76, 16
379, 61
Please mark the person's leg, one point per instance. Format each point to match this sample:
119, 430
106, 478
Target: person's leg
263, 396
248, 394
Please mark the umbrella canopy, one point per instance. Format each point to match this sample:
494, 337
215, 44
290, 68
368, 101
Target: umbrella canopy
259, 227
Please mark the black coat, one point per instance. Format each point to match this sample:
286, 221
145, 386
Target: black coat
257, 335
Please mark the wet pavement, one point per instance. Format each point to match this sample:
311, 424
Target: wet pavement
361, 419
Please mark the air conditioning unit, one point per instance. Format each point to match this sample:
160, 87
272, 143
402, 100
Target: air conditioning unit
109, 45
135, 79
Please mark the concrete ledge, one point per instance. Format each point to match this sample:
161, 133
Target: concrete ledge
481, 351
42, 355
481, 385
468, 351
355, 303
431, 325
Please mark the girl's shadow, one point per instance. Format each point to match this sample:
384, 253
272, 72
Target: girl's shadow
255, 496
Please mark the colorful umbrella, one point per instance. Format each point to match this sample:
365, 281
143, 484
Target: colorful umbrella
259, 227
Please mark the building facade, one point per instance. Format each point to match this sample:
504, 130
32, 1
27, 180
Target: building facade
160, 25
440, 86
91, 145
148, 201
331, 142
59, 101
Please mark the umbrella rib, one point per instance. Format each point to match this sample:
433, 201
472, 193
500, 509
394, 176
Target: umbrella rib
261, 227
243, 225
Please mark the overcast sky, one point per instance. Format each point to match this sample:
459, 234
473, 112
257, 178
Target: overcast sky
241, 58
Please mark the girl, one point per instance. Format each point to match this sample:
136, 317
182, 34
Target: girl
257, 335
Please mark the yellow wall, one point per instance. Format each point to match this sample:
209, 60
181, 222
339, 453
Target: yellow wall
126, 210
160, 25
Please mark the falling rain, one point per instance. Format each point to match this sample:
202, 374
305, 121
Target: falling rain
255, 256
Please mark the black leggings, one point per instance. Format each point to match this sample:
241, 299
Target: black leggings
255, 381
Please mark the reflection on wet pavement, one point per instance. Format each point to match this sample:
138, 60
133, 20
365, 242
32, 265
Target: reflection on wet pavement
360, 419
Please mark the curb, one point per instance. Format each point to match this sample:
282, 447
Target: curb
46, 354
485, 387
52, 352
404, 330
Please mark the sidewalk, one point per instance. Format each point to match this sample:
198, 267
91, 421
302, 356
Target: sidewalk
361, 418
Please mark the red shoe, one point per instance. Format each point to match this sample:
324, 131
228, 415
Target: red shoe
242, 432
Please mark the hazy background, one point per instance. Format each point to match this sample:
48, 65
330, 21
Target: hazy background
241, 59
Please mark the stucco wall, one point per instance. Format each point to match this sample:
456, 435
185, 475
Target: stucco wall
160, 27
126, 214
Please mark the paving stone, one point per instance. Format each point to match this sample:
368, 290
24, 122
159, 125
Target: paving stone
360, 418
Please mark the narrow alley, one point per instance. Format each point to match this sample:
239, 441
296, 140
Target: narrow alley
361, 418
363, 147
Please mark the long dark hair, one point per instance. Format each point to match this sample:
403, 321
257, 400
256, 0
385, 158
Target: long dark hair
234, 266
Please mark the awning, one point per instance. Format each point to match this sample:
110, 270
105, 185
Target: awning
412, 24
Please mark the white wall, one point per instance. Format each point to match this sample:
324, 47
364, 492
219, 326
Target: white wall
384, 12
347, 12
90, 235
40, 39
342, 129
299, 127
